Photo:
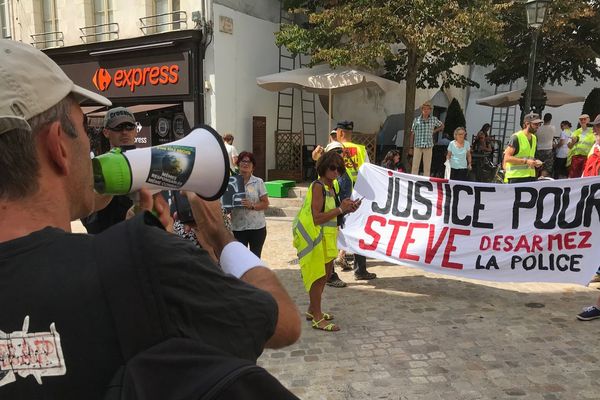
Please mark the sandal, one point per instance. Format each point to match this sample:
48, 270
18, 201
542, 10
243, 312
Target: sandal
331, 327
326, 316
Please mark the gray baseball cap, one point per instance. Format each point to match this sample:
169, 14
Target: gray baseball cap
31, 83
117, 116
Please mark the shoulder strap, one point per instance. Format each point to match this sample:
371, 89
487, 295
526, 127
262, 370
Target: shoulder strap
123, 279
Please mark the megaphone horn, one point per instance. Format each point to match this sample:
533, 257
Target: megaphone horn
197, 163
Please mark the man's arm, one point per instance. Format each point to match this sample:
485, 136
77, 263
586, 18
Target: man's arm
215, 236
439, 128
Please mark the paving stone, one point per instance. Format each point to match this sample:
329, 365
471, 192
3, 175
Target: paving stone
423, 336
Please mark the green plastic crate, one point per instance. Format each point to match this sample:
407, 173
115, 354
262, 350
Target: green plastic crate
279, 188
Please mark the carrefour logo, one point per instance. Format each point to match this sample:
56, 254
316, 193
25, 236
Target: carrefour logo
135, 77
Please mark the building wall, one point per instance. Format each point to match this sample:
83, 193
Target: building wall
232, 63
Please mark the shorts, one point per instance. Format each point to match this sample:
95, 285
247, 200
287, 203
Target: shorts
547, 157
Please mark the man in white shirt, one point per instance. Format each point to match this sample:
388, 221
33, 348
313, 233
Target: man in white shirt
545, 136
231, 151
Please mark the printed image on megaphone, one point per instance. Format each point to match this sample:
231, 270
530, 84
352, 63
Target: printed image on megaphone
197, 163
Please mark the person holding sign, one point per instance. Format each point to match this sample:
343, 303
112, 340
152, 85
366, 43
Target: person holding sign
315, 235
248, 222
459, 155
519, 156
592, 168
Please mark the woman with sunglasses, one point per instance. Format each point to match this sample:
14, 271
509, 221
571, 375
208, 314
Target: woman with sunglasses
248, 222
315, 235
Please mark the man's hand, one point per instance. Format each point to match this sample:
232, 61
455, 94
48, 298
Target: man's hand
156, 204
210, 230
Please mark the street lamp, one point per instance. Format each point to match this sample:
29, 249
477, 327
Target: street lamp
536, 12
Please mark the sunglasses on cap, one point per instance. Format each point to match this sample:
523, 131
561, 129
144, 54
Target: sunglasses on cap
123, 127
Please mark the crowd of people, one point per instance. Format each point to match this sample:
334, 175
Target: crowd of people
216, 291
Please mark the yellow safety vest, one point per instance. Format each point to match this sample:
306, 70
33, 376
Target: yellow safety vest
526, 151
308, 238
583, 146
354, 156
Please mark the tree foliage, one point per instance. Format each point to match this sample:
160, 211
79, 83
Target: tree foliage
417, 41
567, 49
455, 118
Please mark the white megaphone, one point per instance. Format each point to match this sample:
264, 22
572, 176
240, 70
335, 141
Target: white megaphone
197, 163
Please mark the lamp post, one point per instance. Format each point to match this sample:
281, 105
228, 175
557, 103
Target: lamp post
536, 12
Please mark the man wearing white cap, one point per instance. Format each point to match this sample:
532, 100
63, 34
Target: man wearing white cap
519, 156
58, 322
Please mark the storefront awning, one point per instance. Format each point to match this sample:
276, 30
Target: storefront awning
139, 108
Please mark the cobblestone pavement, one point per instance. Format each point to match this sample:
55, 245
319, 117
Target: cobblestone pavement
411, 335
415, 335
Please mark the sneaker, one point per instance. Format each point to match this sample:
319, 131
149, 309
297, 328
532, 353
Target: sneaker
595, 279
342, 263
336, 282
364, 276
589, 313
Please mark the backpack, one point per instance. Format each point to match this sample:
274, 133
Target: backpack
159, 365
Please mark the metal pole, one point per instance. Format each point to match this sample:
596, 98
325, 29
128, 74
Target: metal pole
530, 75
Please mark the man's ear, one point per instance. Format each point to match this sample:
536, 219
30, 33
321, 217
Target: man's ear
56, 148
105, 132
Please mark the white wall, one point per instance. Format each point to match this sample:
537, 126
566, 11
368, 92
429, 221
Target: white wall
232, 63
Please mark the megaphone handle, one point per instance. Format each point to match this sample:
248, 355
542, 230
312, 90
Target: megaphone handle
137, 203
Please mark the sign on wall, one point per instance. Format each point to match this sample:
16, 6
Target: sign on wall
159, 75
545, 231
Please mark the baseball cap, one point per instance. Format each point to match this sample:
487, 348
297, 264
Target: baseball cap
333, 145
31, 83
596, 120
532, 118
345, 125
117, 116
333, 132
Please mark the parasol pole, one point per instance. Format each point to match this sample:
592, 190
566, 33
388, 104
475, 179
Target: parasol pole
329, 114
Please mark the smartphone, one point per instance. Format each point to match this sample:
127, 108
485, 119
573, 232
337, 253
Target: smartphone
182, 206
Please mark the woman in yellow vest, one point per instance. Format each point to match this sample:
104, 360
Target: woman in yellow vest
315, 235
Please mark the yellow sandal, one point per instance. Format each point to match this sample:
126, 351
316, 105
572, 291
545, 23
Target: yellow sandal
329, 327
326, 316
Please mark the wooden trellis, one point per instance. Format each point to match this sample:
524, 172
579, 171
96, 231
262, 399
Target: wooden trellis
369, 140
288, 156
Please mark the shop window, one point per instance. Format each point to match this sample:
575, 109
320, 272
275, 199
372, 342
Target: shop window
4, 20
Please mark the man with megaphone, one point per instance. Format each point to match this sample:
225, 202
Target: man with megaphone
73, 302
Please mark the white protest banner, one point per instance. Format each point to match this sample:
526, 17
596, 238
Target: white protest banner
544, 231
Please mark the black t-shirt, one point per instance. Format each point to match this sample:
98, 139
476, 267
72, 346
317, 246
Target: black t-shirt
113, 213
514, 143
52, 277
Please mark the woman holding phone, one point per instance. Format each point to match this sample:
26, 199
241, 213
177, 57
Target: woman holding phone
315, 235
